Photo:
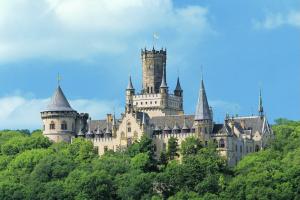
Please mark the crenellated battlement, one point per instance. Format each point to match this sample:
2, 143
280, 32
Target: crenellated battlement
145, 52
100, 139
175, 135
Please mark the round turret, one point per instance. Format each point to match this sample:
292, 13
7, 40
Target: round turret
59, 118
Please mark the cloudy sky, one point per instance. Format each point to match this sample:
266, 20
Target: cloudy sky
95, 45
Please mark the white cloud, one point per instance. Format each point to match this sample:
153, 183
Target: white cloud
18, 112
80, 28
276, 20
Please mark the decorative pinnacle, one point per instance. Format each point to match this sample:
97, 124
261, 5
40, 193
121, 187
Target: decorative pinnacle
260, 104
163, 81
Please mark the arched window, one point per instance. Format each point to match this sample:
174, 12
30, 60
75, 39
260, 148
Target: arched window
128, 127
52, 125
257, 148
222, 143
135, 134
63, 125
122, 135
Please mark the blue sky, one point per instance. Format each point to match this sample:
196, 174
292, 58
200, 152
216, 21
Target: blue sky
95, 45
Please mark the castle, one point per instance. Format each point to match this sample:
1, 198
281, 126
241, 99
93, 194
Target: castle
159, 113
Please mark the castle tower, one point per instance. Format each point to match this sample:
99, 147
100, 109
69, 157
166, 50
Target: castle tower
153, 63
203, 116
178, 91
129, 96
59, 118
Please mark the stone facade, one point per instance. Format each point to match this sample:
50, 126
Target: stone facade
158, 114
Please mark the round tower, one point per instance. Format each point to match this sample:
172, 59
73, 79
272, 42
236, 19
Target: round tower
59, 118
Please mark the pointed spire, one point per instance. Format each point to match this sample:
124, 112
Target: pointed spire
107, 131
184, 127
163, 81
178, 86
143, 119
202, 110
114, 120
130, 86
260, 105
59, 102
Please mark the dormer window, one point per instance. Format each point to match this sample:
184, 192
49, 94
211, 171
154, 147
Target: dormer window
222, 143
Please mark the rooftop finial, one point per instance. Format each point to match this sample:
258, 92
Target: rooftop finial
58, 79
202, 72
260, 104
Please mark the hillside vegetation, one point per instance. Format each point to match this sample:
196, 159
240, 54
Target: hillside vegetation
31, 167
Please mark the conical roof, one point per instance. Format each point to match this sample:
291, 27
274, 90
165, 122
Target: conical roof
59, 102
178, 86
130, 86
163, 81
202, 110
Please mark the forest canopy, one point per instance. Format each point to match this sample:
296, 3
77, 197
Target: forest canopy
32, 167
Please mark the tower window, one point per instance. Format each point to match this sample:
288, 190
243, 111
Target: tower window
64, 126
222, 143
52, 126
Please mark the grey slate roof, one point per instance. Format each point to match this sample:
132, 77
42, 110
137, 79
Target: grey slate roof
170, 120
130, 86
202, 110
178, 86
254, 123
59, 102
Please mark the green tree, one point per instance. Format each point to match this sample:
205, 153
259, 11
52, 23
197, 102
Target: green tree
172, 151
190, 146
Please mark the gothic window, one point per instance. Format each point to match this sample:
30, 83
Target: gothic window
128, 127
63, 125
52, 126
122, 135
222, 143
256, 148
